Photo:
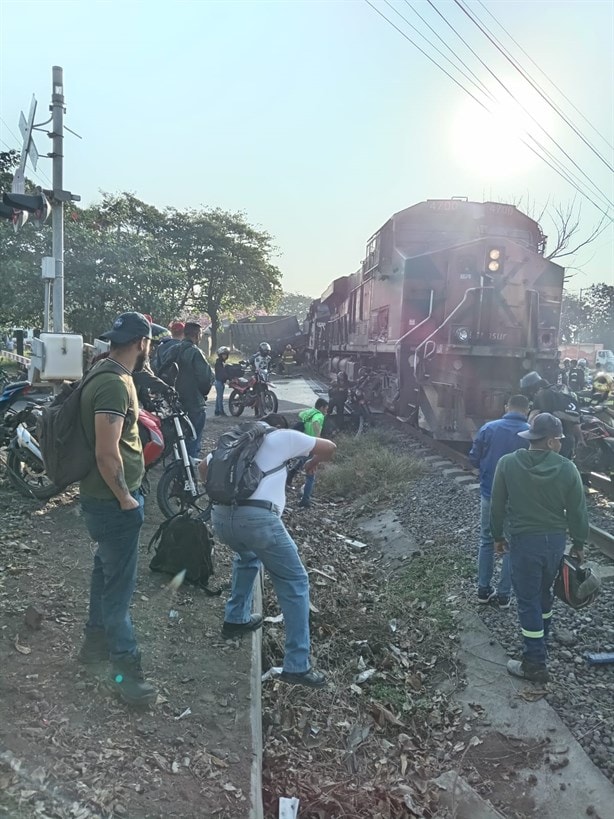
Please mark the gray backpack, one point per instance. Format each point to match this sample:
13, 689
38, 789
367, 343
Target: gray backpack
232, 474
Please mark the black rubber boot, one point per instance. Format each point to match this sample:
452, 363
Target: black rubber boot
130, 684
94, 648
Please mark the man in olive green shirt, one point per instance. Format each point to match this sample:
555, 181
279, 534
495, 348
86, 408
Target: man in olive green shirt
540, 494
112, 505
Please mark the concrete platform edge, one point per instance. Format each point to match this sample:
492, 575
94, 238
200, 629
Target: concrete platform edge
256, 810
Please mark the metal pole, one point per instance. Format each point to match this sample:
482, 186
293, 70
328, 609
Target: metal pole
48, 285
57, 207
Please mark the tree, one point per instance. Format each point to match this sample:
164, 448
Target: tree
224, 262
589, 316
294, 304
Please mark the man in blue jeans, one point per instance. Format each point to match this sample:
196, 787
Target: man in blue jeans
495, 439
194, 380
112, 505
254, 530
540, 493
312, 421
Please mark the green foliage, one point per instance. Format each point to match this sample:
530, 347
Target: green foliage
366, 466
123, 254
589, 317
294, 304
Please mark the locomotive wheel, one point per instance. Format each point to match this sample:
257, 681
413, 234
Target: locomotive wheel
235, 404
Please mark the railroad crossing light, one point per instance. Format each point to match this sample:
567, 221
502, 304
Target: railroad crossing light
37, 205
17, 217
494, 260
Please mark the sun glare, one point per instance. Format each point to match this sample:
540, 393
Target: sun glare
491, 144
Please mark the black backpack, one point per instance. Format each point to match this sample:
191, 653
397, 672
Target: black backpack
67, 454
232, 474
168, 367
184, 542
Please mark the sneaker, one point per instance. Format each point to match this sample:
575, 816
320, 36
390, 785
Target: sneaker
217, 413
502, 601
128, 681
486, 595
310, 679
94, 648
528, 671
230, 630
304, 505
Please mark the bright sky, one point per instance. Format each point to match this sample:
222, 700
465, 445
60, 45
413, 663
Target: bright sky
314, 117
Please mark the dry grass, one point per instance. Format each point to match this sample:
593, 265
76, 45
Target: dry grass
368, 466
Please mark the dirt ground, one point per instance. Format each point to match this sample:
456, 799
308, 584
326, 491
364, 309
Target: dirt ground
67, 747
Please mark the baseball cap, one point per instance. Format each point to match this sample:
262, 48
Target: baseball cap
544, 425
128, 327
177, 327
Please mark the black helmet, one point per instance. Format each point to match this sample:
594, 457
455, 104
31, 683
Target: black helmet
531, 380
576, 585
264, 347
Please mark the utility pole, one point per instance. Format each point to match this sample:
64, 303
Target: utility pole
57, 204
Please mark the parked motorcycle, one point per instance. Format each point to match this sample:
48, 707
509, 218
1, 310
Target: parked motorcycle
178, 484
253, 392
596, 454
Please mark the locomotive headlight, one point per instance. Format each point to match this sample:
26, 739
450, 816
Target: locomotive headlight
462, 334
494, 260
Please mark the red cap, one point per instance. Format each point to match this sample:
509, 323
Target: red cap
177, 327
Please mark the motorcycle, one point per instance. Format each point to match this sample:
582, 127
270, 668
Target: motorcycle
163, 435
18, 418
253, 392
596, 454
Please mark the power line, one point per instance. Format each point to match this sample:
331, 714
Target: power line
560, 172
535, 87
438, 50
543, 73
604, 197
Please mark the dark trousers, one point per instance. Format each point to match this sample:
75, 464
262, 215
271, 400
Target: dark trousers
535, 560
116, 534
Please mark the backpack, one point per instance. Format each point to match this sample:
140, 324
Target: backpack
67, 454
183, 543
232, 474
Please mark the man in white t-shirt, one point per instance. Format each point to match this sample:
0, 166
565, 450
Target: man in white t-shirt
253, 529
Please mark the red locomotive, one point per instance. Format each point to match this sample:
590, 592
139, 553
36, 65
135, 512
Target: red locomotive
453, 303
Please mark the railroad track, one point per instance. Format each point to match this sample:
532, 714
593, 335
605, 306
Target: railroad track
600, 538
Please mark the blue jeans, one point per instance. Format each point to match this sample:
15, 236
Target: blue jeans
197, 417
259, 537
310, 482
535, 561
219, 396
486, 555
114, 575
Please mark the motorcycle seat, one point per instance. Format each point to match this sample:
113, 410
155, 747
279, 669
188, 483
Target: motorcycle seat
243, 381
16, 385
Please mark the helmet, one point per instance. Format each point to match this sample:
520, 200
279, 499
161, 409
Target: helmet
582, 362
531, 380
576, 585
567, 361
223, 350
264, 347
158, 333
603, 382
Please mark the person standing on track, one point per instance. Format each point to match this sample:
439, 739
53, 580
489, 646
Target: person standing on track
539, 495
495, 439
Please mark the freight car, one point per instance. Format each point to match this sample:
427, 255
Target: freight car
452, 304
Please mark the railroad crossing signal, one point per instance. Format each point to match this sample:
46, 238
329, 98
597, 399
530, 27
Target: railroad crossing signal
37, 205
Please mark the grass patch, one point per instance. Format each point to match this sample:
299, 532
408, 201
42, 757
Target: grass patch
368, 466
421, 588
